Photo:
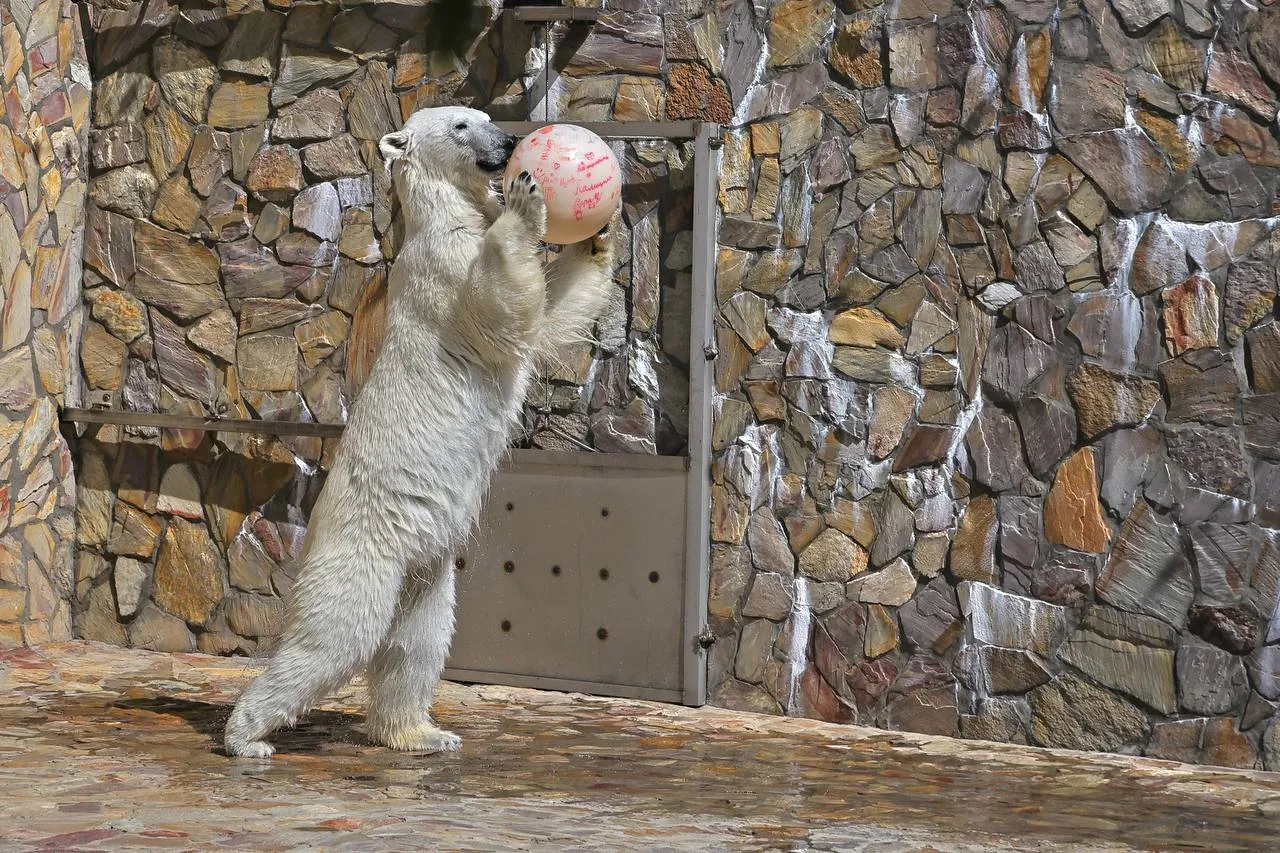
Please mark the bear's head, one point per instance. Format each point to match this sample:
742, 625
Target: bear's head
455, 144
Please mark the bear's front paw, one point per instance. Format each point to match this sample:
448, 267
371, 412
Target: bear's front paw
524, 198
602, 244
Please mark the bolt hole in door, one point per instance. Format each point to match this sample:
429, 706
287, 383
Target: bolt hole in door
653, 577
604, 574
506, 626
604, 513
510, 506
555, 570
602, 634
508, 567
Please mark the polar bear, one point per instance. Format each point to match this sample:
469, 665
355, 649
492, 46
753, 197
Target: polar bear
471, 315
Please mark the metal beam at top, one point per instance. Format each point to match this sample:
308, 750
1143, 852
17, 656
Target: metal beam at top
614, 129
555, 14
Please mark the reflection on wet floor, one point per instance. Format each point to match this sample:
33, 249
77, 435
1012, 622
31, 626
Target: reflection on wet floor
104, 748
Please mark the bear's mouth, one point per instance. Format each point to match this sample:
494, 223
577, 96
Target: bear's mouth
492, 165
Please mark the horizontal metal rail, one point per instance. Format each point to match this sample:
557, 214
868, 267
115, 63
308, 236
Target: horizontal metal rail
613, 129
167, 421
555, 14
521, 456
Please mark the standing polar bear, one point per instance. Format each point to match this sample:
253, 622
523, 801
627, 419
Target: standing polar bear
471, 314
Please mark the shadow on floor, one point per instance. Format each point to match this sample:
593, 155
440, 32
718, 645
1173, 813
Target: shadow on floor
312, 734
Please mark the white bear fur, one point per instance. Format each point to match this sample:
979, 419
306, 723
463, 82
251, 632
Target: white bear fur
471, 314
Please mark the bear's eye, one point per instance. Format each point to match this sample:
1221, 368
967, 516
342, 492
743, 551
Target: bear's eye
462, 125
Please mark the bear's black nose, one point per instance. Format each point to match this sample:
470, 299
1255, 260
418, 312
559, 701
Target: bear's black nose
510, 143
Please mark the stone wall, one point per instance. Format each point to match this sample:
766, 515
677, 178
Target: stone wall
45, 86
998, 375
998, 365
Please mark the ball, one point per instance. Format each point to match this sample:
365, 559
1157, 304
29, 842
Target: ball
579, 177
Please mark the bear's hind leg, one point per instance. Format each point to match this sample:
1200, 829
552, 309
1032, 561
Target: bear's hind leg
406, 669
319, 652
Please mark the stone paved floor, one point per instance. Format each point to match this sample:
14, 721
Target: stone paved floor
102, 748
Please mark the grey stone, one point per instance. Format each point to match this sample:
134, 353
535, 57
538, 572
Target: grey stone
302, 69
1015, 359
318, 211
991, 669
1125, 164
252, 48
1264, 671
932, 620
1072, 714
1086, 98
1147, 572
754, 648
769, 549
895, 530
116, 146
318, 115
181, 367
1021, 529
994, 445
1210, 680
1223, 556
1202, 386
1048, 431
158, 631
998, 618
1212, 458
255, 615
1143, 672
770, 597
128, 578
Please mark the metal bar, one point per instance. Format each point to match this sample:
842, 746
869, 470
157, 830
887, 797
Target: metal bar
167, 421
555, 14
614, 129
537, 682
517, 457
697, 538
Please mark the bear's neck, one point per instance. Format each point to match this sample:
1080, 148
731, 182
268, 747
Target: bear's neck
443, 208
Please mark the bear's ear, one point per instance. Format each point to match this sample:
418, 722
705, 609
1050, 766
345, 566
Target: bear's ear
394, 146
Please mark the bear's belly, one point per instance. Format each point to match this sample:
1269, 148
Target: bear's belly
420, 448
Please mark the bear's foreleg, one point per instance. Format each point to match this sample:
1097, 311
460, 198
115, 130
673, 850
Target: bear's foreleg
406, 669
502, 300
578, 283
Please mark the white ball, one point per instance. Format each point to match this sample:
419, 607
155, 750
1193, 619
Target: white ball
579, 177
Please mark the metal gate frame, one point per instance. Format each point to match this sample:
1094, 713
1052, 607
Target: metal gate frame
707, 140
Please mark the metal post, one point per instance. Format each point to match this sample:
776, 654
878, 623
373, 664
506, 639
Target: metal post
697, 550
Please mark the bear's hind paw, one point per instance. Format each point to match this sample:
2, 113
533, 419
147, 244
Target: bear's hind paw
252, 749
423, 737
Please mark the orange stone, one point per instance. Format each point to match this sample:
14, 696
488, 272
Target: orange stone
1191, 315
1072, 514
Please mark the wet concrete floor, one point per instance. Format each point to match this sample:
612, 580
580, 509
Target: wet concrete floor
109, 749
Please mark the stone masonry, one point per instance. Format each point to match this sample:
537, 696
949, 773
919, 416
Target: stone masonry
998, 372
44, 81
998, 359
